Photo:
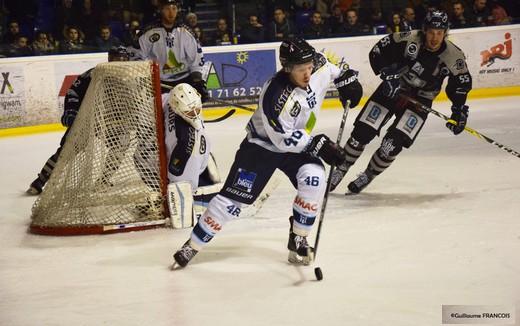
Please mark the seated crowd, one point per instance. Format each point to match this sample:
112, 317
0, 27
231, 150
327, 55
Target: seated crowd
79, 27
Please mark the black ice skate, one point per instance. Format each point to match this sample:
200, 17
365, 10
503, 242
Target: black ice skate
36, 187
300, 252
361, 182
184, 255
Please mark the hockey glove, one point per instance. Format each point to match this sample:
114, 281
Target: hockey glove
200, 86
459, 114
349, 87
321, 146
391, 83
68, 118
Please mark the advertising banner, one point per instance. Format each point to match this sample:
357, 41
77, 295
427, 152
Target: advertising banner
239, 75
12, 96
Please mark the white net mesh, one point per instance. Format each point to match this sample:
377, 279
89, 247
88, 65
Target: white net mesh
108, 172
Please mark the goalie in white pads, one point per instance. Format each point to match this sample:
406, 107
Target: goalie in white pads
278, 137
191, 167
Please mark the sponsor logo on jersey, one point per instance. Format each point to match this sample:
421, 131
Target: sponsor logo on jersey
202, 148
154, 37
418, 68
283, 98
459, 64
311, 207
244, 180
295, 110
411, 50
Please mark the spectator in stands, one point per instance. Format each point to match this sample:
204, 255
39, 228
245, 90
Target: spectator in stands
88, 20
42, 45
105, 40
199, 35
66, 15
336, 20
458, 18
480, 13
352, 26
281, 27
73, 42
376, 21
20, 47
13, 31
408, 18
223, 35
323, 7
396, 25
191, 20
130, 33
253, 31
317, 28
302, 16
499, 15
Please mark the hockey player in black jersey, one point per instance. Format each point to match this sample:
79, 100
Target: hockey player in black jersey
279, 137
72, 103
413, 64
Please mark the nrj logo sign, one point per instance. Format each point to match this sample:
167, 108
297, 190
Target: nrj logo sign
502, 51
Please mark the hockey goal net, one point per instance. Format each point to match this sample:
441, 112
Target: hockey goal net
110, 174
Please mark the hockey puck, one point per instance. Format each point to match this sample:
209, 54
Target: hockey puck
318, 273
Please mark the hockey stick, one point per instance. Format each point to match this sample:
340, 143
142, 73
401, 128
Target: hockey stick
327, 190
239, 106
468, 129
224, 117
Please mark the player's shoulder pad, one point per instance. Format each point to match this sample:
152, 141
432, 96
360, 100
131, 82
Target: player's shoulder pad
409, 36
183, 28
275, 97
454, 59
150, 28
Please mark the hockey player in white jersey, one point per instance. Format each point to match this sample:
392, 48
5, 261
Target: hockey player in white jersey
279, 137
187, 144
175, 49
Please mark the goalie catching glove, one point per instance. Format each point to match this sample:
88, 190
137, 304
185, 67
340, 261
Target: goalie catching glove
459, 115
321, 146
349, 87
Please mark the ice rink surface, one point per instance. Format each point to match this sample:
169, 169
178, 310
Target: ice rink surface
439, 227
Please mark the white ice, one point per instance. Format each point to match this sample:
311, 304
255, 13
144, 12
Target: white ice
439, 227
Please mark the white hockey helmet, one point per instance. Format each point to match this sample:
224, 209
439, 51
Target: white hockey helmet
185, 101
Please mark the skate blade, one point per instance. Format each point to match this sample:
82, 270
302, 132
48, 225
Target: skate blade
298, 260
32, 191
175, 266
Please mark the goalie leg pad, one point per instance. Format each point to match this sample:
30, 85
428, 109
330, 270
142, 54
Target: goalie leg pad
220, 211
180, 204
311, 188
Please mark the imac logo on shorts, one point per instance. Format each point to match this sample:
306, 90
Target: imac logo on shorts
244, 180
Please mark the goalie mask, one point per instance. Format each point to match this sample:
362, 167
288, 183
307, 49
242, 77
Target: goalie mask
185, 101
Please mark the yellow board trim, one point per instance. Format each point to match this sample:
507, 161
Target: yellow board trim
332, 103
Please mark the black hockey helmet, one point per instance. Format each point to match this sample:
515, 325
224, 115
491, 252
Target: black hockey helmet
436, 19
295, 51
118, 53
163, 3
